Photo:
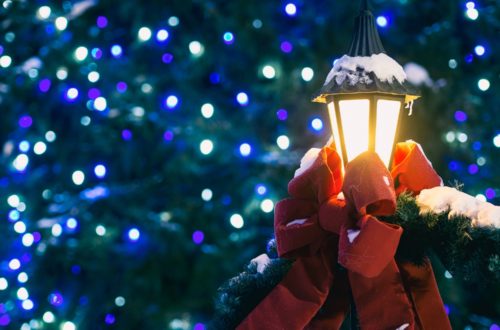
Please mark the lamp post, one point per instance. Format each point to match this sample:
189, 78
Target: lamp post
365, 92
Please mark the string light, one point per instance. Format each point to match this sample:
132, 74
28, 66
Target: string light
171, 101
120, 301
228, 38
116, 51
479, 50
39, 148
43, 12
206, 195
78, 177
307, 74
134, 234
472, 13
144, 34
483, 84
100, 104
61, 23
382, 21
196, 48
290, 9
20, 227
48, 317
269, 72
207, 110
317, 124
283, 142
4, 284
496, 141
5, 61
81, 53
68, 326
14, 264
56, 230
162, 35
21, 162
267, 206
245, 149
173, 21
100, 230
100, 171
206, 147
13, 200
237, 221
242, 98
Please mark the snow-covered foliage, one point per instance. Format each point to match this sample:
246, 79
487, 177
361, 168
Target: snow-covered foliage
262, 262
444, 199
356, 70
307, 160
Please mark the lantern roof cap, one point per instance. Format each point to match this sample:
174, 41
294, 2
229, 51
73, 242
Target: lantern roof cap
366, 68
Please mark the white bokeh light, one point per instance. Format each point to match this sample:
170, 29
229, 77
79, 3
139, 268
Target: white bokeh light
237, 221
267, 206
307, 74
78, 177
207, 110
283, 142
144, 34
206, 147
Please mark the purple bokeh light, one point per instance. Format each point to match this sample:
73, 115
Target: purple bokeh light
214, 78
494, 326
109, 319
286, 47
121, 87
168, 136
490, 193
4, 320
460, 116
94, 93
56, 299
447, 309
199, 326
96, 53
37, 237
453, 165
167, 58
473, 169
102, 22
25, 121
127, 134
198, 237
282, 114
44, 85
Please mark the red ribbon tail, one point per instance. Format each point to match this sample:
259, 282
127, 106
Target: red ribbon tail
424, 294
294, 302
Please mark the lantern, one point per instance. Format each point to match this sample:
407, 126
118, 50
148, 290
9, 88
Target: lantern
366, 92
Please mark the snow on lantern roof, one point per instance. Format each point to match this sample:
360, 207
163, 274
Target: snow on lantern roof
366, 68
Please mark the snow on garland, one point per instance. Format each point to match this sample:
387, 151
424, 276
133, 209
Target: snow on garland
467, 246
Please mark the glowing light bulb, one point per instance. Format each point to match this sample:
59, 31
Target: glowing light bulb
14, 264
173, 21
317, 124
291, 9
196, 48
13, 200
100, 230
283, 142
479, 50
144, 34
81, 53
472, 14
72, 94
116, 50
269, 72
5, 61
267, 206
28, 239
245, 149
120, 301
4, 284
483, 84
207, 110
48, 317
22, 294
162, 35
134, 234
78, 177
56, 230
68, 326
50, 136
100, 171
93, 76
228, 38
62, 73
382, 21
40, 148
172, 101
237, 221
21, 162
100, 104
27, 304
43, 12
206, 147
61, 23
72, 223
22, 277
242, 98
307, 74
20, 227
206, 195
496, 141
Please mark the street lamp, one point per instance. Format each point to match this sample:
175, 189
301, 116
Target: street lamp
365, 92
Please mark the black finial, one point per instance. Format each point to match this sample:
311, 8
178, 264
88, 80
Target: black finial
366, 41
364, 5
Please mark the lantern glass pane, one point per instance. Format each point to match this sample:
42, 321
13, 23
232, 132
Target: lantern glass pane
355, 117
387, 124
335, 127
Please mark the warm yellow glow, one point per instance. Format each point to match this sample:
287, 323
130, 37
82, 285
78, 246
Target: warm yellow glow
355, 117
335, 128
387, 123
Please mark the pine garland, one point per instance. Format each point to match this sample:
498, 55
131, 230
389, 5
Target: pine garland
470, 253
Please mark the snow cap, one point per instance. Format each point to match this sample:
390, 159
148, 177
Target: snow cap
366, 68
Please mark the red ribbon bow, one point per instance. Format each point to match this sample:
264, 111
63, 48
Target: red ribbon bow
314, 225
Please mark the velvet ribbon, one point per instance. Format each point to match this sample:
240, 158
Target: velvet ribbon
343, 253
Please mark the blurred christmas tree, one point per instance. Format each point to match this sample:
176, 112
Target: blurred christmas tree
144, 143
